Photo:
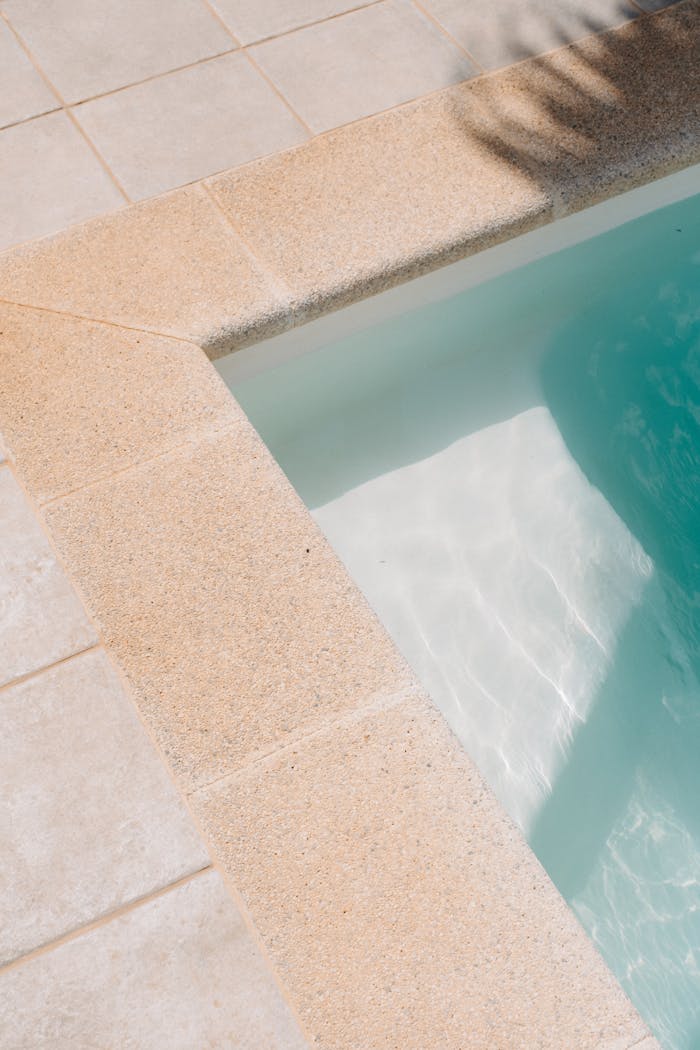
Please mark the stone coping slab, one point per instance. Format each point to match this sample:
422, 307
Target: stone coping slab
397, 901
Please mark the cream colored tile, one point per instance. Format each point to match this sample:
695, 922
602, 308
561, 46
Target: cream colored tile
364, 62
23, 93
41, 619
87, 48
234, 621
187, 125
180, 971
505, 31
173, 265
399, 904
255, 21
90, 818
49, 179
100, 397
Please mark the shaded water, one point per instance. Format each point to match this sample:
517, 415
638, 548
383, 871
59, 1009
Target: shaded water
512, 478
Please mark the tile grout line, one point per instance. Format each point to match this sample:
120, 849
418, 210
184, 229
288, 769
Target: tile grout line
377, 704
65, 108
285, 293
257, 68
97, 320
101, 920
453, 40
29, 676
197, 435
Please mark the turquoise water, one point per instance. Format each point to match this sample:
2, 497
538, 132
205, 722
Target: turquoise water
513, 478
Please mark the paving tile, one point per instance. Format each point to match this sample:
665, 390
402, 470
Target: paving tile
255, 21
41, 619
505, 31
88, 48
399, 905
23, 93
180, 971
174, 265
49, 179
363, 62
234, 621
100, 397
91, 819
401, 193
184, 126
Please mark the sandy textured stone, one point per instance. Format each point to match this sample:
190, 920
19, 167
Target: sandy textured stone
179, 972
90, 818
173, 265
473, 165
402, 193
398, 902
598, 117
363, 62
99, 397
41, 618
231, 616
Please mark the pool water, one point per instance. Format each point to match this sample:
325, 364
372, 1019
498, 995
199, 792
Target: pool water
512, 477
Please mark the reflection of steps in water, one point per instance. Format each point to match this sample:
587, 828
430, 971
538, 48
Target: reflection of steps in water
505, 579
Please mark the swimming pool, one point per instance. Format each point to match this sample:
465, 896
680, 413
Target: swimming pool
511, 476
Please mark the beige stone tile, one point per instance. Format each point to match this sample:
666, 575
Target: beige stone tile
190, 124
87, 48
600, 116
251, 22
401, 194
173, 265
41, 619
363, 62
49, 179
505, 31
180, 971
399, 904
99, 397
23, 93
90, 818
232, 618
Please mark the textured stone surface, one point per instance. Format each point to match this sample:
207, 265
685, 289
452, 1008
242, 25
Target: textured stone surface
90, 818
180, 971
99, 397
49, 178
475, 164
23, 93
601, 116
263, 18
88, 48
233, 619
426, 919
184, 126
401, 193
361, 63
505, 31
41, 618
173, 265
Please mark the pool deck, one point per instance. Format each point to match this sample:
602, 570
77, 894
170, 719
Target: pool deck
234, 818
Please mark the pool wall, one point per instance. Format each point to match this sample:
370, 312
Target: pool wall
394, 901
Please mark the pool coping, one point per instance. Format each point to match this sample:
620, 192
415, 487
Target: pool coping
257, 666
